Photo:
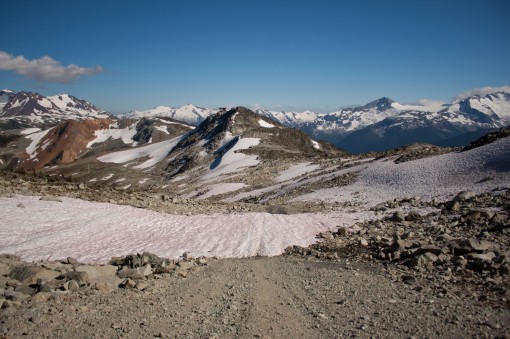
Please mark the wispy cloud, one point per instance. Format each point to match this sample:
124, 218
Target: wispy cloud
481, 91
44, 69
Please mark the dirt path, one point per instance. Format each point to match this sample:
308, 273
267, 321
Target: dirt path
280, 297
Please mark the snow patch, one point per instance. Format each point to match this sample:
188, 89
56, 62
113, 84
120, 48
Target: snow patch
295, 171
222, 188
28, 131
156, 152
265, 124
125, 134
36, 139
232, 161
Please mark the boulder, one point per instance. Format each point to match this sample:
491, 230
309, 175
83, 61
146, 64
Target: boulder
30, 274
81, 278
464, 196
135, 273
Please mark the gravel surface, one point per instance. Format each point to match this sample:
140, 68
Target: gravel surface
278, 297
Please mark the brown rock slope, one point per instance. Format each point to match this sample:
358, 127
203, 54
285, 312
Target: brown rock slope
65, 142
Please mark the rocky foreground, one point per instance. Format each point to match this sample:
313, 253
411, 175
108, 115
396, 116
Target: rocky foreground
421, 269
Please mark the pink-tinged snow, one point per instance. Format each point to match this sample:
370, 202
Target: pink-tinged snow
36, 139
113, 132
217, 189
479, 170
295, 171
155, 152
265, 124
94, 232
233, 161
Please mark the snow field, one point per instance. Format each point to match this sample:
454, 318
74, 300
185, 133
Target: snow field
56, 230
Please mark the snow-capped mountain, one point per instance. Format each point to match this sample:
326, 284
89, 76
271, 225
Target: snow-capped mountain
188, 114
38, 108
384, 123
5, 96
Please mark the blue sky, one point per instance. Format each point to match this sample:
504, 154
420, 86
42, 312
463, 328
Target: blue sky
317, 55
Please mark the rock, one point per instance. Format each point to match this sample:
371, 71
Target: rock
10, 304
326, 235
482, 256
413, 216
81, 278
55, 266
423, 260
342, 232
140, 285
104, 287
20, 205
107, 271
81, 186
15, 296
464, 196
363, 242
4, 269
185, 265
400, 245
202, 261
30, 274
41, 297
479, 245
91, 271
135, 273
50, 198
25, 289
128, 283
71, 285
72, 261
181, 273
453, 206
398, 217
165, 268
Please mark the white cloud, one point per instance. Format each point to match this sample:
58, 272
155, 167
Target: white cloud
481, 91
44, 69
429, 102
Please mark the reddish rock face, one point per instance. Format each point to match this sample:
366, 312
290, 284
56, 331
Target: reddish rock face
64, 143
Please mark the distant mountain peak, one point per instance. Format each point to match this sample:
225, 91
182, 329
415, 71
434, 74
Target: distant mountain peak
381, 104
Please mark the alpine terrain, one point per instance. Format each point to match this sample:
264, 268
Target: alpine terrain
384, 220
